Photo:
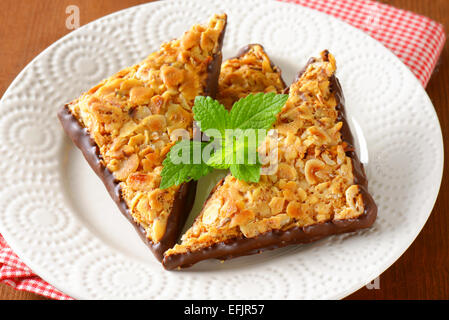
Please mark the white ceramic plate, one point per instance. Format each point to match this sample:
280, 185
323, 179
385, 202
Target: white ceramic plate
56, 214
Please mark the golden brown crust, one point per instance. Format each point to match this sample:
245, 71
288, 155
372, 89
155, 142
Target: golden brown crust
132, 116
250, 72
314, 182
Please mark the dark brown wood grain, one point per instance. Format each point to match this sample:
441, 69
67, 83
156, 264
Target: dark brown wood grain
29, 26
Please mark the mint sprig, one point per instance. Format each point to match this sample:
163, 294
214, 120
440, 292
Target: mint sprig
254, 112
176, 171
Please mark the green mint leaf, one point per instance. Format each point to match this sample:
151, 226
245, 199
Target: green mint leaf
256, 111
248, 173
181, 164
249, 115
245, 145
234, 150
218, 160
210, 114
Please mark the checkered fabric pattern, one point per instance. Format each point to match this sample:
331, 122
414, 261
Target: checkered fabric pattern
15, 273
416, 40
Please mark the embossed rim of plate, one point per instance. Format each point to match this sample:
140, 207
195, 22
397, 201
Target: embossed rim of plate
69, 287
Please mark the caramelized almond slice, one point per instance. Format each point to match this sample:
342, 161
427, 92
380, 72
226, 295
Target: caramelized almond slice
140, 95
127, 166
294, 209
242, 218
211, 214
277, 205
311, 168
139, 181
171, 76
190, 39
158, 230
354, 198
286, 171
155, 122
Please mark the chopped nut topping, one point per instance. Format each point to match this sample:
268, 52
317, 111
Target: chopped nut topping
314, 182
311, 168
252, 72
130, 117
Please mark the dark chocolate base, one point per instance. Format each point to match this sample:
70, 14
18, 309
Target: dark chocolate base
280, 238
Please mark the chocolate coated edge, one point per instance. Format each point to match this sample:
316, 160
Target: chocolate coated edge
297, 235
213, 69
183, 199
185, 196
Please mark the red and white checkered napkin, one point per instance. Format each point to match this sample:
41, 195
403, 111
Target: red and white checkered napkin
416, 40
15, 273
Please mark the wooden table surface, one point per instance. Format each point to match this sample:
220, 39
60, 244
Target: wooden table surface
29, 26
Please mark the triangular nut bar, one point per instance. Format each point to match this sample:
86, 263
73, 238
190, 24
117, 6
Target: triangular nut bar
124, 128
319, 188
251, 71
